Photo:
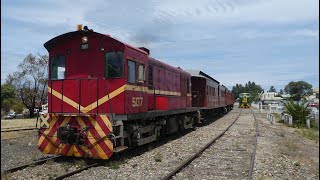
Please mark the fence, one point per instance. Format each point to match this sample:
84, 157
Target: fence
270, 108
314, 119
287, 119
271, 118
275, 108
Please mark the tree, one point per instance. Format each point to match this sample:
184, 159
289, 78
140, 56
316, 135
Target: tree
8, 94
281, 91
249, 87
236, 90
298, 111
30, 81
298, 89
272, 89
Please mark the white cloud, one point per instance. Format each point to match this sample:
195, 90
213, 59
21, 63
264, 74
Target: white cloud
216, 36
307, 32
236, 12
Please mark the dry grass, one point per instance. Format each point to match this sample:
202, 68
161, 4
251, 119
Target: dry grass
290, 145
17, 134
18, 123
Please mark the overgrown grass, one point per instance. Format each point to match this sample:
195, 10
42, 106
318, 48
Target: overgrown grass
66, 165
158, 157
290, 145
312, 134
80, 163
277, 116
5, 176
52, 176
115, 164
297, 164
50, 162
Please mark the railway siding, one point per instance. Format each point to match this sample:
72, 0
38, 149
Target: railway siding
229, 157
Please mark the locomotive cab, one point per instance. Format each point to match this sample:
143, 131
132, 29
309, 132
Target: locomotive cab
88, 74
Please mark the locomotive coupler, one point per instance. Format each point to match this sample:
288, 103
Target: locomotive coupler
70, 135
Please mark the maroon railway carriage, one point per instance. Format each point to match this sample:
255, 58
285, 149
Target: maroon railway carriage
229, 99
105, 96
208, 94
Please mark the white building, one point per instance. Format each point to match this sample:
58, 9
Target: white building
270, 98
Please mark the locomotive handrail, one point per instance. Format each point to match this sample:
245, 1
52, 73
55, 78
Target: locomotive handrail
79, 82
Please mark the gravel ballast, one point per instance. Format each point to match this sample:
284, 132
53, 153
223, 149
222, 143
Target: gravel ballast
282, 153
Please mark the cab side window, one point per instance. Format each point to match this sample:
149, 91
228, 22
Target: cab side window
114, 64
131, 71
58, 67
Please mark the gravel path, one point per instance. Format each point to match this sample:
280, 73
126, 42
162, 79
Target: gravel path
282, 153
229, 157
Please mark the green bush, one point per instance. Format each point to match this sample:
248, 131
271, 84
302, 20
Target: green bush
298, 111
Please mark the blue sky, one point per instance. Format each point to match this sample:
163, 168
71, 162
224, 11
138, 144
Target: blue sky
270, 42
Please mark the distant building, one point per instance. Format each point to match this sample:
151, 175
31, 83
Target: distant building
270, 98
314, 98
285, 96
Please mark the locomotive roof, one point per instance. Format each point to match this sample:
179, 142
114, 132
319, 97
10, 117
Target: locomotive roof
168, 66
52, 42
198, 73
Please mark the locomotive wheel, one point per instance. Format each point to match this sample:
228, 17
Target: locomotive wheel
132, 139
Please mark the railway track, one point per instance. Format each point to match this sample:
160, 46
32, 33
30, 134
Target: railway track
38, 162
44, 160
173, 174
78, 170
17, 129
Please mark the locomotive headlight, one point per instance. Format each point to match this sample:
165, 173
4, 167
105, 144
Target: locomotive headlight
84, 39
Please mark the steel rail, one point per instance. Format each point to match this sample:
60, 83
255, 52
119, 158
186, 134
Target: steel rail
255, 147
17, 168
77, 171
20, 129
7, 139
16, 127
197, 154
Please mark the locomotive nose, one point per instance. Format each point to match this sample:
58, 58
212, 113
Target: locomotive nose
80, 136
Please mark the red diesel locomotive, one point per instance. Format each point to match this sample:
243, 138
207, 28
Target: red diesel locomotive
105, 96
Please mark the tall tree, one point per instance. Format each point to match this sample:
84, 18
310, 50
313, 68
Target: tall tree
281, 91
272, 89
30, 80
250, 87
7, 97
237, 89
298, 89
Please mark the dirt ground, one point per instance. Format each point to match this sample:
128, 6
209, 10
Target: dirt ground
282, 152
285, 152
